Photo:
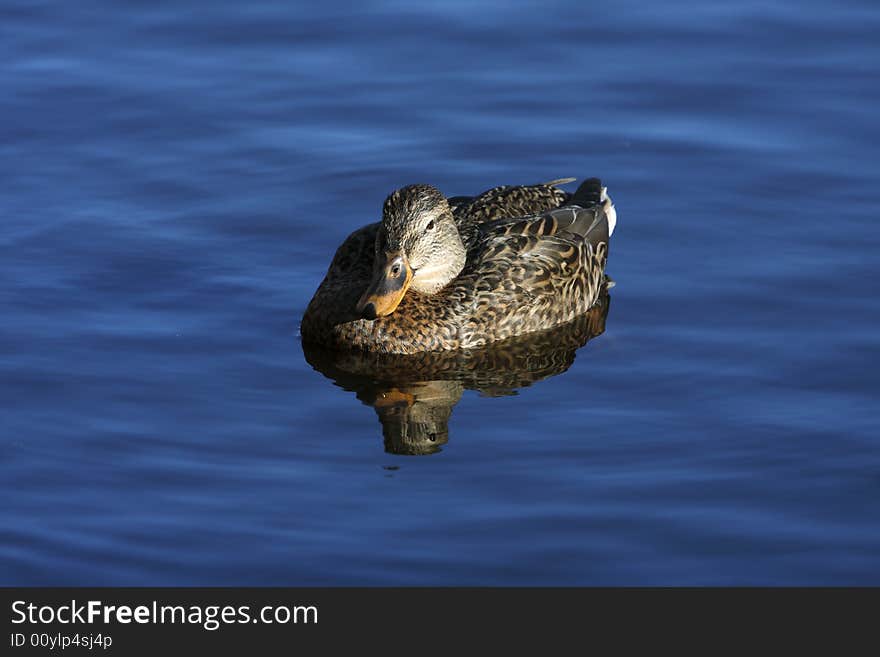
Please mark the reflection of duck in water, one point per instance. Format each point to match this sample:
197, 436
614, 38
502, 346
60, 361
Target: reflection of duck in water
414, 417
414, 394
439, 274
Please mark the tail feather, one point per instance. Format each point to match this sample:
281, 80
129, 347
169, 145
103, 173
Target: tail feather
610, 211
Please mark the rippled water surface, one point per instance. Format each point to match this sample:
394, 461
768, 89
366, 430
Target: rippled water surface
176, 178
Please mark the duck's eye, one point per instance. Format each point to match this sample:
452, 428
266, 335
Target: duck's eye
430, 225
395, 270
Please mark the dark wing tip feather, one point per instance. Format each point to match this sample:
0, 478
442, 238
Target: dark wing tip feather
588, 194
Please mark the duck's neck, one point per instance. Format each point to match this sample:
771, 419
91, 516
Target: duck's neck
436, 275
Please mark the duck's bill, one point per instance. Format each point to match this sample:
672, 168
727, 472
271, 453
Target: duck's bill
385, 292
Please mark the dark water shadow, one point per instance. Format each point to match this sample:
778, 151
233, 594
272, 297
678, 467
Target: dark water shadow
414, 395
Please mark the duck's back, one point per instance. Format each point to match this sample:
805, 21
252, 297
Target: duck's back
505, 202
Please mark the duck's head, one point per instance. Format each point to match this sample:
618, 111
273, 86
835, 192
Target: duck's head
417, 246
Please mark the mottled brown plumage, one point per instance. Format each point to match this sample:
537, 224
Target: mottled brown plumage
510, 261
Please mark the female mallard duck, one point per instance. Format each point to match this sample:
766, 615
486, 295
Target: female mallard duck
458, 273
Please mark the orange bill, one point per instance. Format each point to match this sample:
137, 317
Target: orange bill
391, 278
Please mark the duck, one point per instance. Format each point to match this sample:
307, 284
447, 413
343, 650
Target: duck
458, 273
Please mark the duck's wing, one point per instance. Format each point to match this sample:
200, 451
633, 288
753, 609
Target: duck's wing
506, 202
541, 270
589, 216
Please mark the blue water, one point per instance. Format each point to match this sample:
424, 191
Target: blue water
175, 180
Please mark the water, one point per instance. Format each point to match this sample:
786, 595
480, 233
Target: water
174, 183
